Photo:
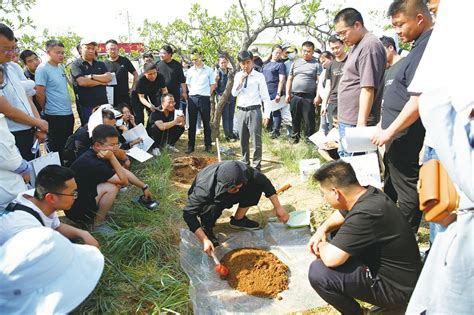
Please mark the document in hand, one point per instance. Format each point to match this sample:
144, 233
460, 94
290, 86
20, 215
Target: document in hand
359, 139
138, 154
139, 132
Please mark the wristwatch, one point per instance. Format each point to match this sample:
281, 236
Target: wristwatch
145, 187
278, 94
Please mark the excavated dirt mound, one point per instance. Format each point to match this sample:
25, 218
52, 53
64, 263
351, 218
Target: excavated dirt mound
185, 168
256, 272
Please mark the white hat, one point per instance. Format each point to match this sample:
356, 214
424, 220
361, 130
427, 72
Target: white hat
42, 272
88, 40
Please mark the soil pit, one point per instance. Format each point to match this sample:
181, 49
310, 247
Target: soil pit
185, 168
256, 272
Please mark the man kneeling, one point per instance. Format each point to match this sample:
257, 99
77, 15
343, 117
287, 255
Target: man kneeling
373, 257
99, 177
166, 127
219, 186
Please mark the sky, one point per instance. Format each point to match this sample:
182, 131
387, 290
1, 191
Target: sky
105, 19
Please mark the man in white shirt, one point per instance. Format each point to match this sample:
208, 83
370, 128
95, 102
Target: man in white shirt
55, 189
251, 90
201, 84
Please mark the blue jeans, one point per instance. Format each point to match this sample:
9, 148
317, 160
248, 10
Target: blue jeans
228, 116
342, 133
435, 228
276, 118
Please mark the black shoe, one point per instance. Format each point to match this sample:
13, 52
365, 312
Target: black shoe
208, 149
210, 235
148, 203
244, 223
227, 139
294, 140
275, 134
189, 150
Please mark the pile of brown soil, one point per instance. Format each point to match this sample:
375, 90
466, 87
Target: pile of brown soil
185, 168
256, 272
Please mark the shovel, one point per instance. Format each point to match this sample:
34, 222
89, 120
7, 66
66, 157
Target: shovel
222, 270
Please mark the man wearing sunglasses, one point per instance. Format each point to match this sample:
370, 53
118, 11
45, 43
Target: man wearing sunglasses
55, 189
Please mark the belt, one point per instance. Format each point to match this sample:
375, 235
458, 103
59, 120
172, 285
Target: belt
24, 132
248, 108
304, 94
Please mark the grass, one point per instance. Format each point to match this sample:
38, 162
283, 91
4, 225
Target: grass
142, 272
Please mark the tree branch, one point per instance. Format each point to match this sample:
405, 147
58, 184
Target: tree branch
245, 18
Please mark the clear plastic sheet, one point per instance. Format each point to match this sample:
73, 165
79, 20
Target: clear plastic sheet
210, 295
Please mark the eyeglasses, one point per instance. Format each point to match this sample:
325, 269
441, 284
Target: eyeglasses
113, 145
75, 194
11, 51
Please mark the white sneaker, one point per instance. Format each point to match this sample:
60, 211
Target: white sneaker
156, 152
172, 148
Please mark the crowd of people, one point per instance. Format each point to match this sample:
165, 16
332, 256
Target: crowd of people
366, 249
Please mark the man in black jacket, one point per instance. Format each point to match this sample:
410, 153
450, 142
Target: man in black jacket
219, 186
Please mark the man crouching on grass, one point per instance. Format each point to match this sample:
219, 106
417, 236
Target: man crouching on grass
219, 186
373, 257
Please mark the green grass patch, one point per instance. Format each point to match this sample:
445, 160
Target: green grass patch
142, 271
289, 154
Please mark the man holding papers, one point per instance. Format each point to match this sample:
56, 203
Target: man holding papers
166, 126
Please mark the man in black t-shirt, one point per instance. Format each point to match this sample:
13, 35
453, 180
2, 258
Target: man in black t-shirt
166, 126
91, 77
99, 176
402, 148
373, 257
121, 66
173, 73
146, 92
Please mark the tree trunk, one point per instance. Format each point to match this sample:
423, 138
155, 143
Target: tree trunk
217, 109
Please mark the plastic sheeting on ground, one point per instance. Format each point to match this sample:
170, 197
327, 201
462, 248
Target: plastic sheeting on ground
210, 295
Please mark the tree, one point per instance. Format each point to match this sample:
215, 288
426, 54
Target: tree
13, 13
237, 30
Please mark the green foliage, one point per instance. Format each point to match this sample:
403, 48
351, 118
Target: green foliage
13, 13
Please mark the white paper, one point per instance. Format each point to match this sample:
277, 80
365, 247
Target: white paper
139, 155
359, 139
114, 79
110, 94
139, 132
178, 113
367, 169
321, 140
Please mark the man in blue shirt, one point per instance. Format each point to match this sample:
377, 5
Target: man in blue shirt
229, 108
201, 84
53, 96
275, 76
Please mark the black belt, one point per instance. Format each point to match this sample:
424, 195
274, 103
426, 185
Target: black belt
304, 94
248, 108
24, 132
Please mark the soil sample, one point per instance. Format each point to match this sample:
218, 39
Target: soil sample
185, 168
256, 272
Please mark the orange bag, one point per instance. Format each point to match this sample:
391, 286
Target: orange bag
437, 194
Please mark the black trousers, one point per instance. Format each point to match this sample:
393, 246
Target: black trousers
24, 141
60, 128
302, 109
168, 136
201, 104
340, 287
138, 109
401, 178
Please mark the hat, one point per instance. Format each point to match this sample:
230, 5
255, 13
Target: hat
291, 49
285, 45
87, 41
42, 272
254, 51
244, 55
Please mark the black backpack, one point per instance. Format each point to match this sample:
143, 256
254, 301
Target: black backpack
16, 206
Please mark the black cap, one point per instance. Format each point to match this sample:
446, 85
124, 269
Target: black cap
244, 55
